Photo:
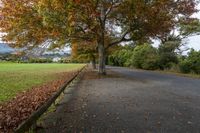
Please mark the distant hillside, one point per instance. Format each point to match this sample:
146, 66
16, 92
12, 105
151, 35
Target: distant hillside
4, 48
36, 52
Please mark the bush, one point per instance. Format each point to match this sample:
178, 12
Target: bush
185, 67
82, 58
167, 55
173, 67
65, 60
40, 60
145, 57
166, 60
191, 63
121, 57
149, 58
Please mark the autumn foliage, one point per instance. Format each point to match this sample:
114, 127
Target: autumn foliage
30, 22
17, 110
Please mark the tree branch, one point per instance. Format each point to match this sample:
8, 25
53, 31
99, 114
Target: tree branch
108, 11
122, 39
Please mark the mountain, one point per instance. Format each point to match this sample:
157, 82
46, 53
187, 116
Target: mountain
4, 48
36, 52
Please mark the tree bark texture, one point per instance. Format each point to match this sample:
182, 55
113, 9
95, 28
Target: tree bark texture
102, 59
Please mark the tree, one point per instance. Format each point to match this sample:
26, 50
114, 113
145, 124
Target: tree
174, 39
84, 51
173, 43
30, 22
167, 53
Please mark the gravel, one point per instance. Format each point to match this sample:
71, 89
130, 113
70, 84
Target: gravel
128, 101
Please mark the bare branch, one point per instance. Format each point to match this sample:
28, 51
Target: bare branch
122, 39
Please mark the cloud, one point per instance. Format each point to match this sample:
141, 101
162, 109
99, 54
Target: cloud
194, 42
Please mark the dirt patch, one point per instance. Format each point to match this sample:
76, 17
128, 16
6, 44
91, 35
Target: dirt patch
91, 74
15, 111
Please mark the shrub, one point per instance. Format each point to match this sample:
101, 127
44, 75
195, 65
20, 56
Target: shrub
191, 63
173, 67
145, 57
167, 55
40, 60
121, 57
185, 67
166, 60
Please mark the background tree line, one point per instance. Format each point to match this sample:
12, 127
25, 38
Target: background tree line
150, 58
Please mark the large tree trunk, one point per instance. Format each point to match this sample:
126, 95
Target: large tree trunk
102, 59
101, 42
93, 61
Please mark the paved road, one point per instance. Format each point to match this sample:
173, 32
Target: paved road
129, 101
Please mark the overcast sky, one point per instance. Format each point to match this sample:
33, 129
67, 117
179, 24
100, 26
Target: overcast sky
194, 42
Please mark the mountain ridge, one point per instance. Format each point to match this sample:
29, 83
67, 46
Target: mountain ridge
5, 49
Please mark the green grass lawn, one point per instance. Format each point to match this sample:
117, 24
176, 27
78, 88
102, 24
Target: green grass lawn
15, 77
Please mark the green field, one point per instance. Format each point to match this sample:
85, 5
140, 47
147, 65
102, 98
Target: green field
15, 77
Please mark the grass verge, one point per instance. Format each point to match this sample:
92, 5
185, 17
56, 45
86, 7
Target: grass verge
15, 78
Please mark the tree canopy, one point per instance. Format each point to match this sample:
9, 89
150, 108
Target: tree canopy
30, 22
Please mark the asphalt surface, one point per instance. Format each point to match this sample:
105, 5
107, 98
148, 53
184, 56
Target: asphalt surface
129, 101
